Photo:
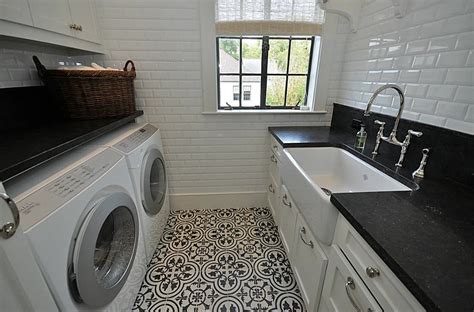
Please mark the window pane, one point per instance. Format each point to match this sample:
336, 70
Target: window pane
252, 56
276, 91
251, 91
299, 58
278, 56
296, 90
229, 56
229, 91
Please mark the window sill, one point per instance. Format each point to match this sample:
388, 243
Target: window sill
261, 111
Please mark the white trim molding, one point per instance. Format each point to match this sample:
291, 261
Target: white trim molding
217, 200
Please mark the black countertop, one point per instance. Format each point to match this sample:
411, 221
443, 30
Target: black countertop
425, 236
27, 147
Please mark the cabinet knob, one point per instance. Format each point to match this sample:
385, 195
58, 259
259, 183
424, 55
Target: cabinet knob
72, 26
285, 201
372, 272
273, 159
79, 27
271, 189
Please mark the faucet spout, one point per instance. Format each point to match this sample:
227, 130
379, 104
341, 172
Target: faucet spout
392, 138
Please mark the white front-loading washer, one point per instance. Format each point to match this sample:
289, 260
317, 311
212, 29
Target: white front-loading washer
142, 147
83, 227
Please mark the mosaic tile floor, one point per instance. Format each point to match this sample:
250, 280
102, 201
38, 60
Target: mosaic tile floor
225, 260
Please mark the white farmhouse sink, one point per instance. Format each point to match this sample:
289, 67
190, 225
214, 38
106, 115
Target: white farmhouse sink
310, 173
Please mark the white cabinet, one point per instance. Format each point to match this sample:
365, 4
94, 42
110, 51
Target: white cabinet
274, 183
309, 264
15, 11
382, 282
67, 23
83, 15
52, 15
343, 290
287, 223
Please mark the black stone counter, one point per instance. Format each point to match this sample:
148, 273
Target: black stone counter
425, 236
26, 147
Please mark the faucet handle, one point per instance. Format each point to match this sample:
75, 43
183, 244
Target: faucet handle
380, 123
415, 133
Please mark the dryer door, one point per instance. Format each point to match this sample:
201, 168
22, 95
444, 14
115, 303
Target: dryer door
104, 250
153, 182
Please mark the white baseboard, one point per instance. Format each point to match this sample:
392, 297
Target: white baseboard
218, 200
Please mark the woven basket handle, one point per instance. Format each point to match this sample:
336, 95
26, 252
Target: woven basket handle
40, 67
125, 68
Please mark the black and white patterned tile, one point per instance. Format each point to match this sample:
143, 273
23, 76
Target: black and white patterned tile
223, 260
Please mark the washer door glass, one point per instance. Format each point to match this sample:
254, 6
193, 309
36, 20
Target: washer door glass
114, 247
153, 182
105, 249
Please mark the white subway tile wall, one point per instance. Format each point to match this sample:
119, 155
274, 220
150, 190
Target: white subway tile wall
428, 52
16, 65
205, 153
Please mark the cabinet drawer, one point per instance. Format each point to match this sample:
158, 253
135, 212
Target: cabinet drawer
343, 290
273, 195
309, 264
287, 221
382, 282
275, 147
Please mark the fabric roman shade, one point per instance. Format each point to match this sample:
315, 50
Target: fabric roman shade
268, 17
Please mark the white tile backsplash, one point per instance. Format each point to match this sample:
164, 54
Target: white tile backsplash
430, 54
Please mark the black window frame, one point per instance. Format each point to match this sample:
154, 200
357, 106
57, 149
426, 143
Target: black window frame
264, 71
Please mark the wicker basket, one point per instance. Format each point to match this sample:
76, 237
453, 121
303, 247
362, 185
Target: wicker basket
91, 94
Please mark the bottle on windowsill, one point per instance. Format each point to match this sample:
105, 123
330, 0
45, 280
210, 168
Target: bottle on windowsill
361, 137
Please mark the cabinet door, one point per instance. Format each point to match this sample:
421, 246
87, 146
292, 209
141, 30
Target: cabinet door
15, 11
273, 198
83, 15
52, 15
309, 264
287, 224
343, 290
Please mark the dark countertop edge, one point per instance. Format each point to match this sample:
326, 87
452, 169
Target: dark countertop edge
407, 281
399, 272
40, 158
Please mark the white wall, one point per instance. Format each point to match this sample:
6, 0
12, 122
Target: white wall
429, 52
16, 65
205, 153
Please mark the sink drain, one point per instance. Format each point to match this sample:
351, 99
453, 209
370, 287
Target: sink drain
326, 191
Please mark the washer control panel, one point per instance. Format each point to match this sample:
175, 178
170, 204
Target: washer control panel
53, 195
135, 139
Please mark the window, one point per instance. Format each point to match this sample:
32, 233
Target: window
236, 93
247, 93
276, 68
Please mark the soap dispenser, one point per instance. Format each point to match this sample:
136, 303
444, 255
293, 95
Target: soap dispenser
361, 137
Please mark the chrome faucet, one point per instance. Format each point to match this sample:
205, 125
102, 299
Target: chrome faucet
392, 138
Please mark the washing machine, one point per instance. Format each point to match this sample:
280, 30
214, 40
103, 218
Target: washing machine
83, 227
142, 147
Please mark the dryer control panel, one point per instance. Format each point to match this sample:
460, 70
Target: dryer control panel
135, 139
53, 195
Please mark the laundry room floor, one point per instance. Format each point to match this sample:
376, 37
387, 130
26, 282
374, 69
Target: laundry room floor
226, 260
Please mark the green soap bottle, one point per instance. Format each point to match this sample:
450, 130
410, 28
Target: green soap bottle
361, 137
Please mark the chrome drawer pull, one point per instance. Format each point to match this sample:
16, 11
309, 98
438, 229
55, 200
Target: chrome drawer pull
9, 229
275, 147
351, 285
270, 188
273, 159
285, 201
372, 272
303, 232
